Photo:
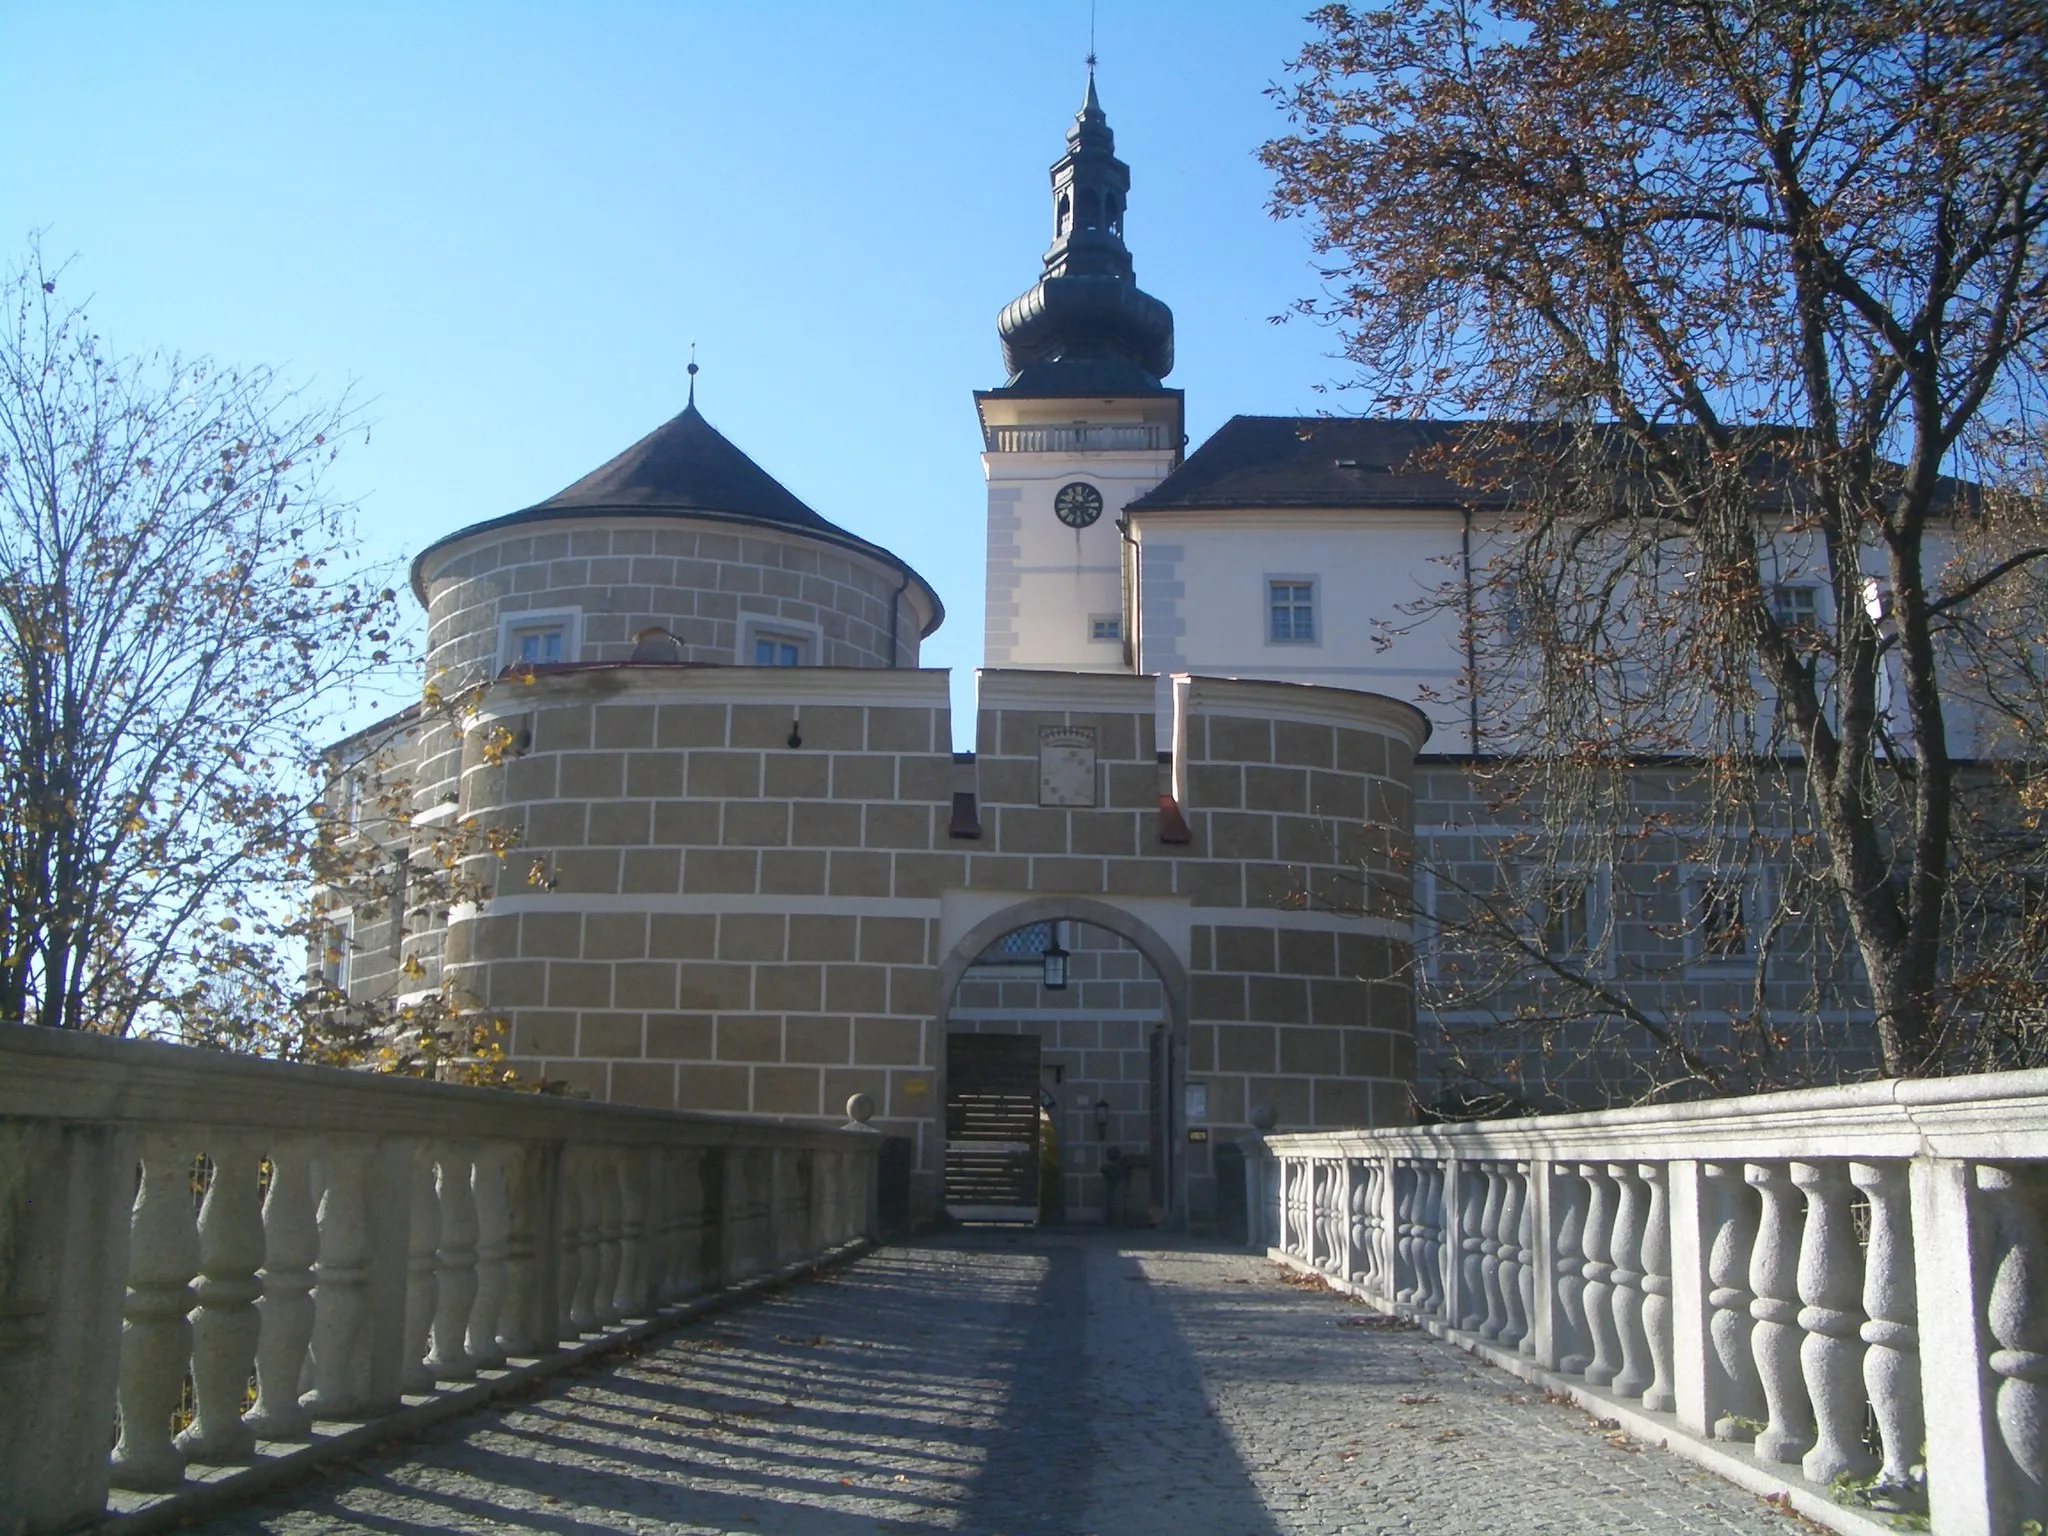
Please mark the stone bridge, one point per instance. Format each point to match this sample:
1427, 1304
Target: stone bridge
299, 1300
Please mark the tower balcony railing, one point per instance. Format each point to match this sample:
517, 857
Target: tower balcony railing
1836, 1297
225, 1268
1124, 438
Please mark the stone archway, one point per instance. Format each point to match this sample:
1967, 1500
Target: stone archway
1148, 1087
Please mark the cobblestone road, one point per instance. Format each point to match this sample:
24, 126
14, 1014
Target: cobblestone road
1051, 1382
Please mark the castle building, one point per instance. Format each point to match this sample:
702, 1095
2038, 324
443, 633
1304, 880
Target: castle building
749, 875
1222, 755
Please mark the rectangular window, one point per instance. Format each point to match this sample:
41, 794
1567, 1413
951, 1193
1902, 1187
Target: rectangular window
1105, 626
337, 941
1724, 914
1567, 913
539, 639
1291, 611
1796, 607
537, 645
778, 651
355, 786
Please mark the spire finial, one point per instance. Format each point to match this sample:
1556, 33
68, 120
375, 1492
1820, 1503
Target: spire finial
692, 371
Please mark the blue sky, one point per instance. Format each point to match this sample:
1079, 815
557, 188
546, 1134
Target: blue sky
504, 225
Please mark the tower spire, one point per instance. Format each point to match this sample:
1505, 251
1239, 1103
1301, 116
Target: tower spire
1087, 304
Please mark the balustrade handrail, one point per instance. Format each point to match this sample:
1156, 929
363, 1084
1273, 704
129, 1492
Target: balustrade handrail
1836, 1296
57, 1074
180, 1226
1994, 1115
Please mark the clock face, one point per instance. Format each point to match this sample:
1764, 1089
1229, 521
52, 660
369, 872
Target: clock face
1077, 505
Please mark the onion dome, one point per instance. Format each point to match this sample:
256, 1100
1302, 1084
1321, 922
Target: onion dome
1086, 328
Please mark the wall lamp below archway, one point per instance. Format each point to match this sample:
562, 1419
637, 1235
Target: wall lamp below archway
1055, 960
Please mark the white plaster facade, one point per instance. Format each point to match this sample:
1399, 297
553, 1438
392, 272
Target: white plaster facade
1056, 594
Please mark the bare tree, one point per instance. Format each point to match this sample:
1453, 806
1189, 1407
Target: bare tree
1747, 289
181, 617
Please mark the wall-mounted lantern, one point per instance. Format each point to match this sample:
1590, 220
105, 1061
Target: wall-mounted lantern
1055, 960
1102, 1119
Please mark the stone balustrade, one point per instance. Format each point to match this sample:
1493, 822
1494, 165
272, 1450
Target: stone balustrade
1835, 1296
240, 1264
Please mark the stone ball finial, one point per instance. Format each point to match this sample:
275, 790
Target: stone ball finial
860, 1109
1264, 1118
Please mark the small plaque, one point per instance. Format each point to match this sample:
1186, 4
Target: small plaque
1195, 1103
1066, 765
914, 1086
1199, 1133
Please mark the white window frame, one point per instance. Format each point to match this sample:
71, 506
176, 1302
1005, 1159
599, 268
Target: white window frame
1597, 883
337, 949
766, 626
1427, 938
1113, 622
355, 796
509, 624
1756, 912
1315, 608
1790, 621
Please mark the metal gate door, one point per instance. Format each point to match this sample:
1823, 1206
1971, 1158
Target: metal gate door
992, 1127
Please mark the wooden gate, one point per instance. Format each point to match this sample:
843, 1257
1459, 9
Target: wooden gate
992, 1127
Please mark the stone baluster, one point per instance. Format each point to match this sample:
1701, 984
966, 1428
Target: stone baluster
1303, 1230
582, 1217
1358, 1218
683, 1182
1331, 1216
414, 1374
1574, 1343
493, 1242
528, 1323
1525, 1259
1774, 1338
455, 1277
1830, 1280
1598, 1294
1434, 1248
634, 1297
225, 1325
1626, 1245
1493, 1314
156, 1339
1891, 1357
1350, 1262
1470, 1198
341, 1319
1405, 1271
291, 1242
1293, 1236
2016, 1316
1318, 1248
1736, 1396
1659, 1396
67, 1201
605, 1173
1513, 1319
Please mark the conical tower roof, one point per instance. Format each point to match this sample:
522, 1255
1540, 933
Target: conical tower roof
688, 465
684, 468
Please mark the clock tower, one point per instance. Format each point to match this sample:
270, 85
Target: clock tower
1082, 426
